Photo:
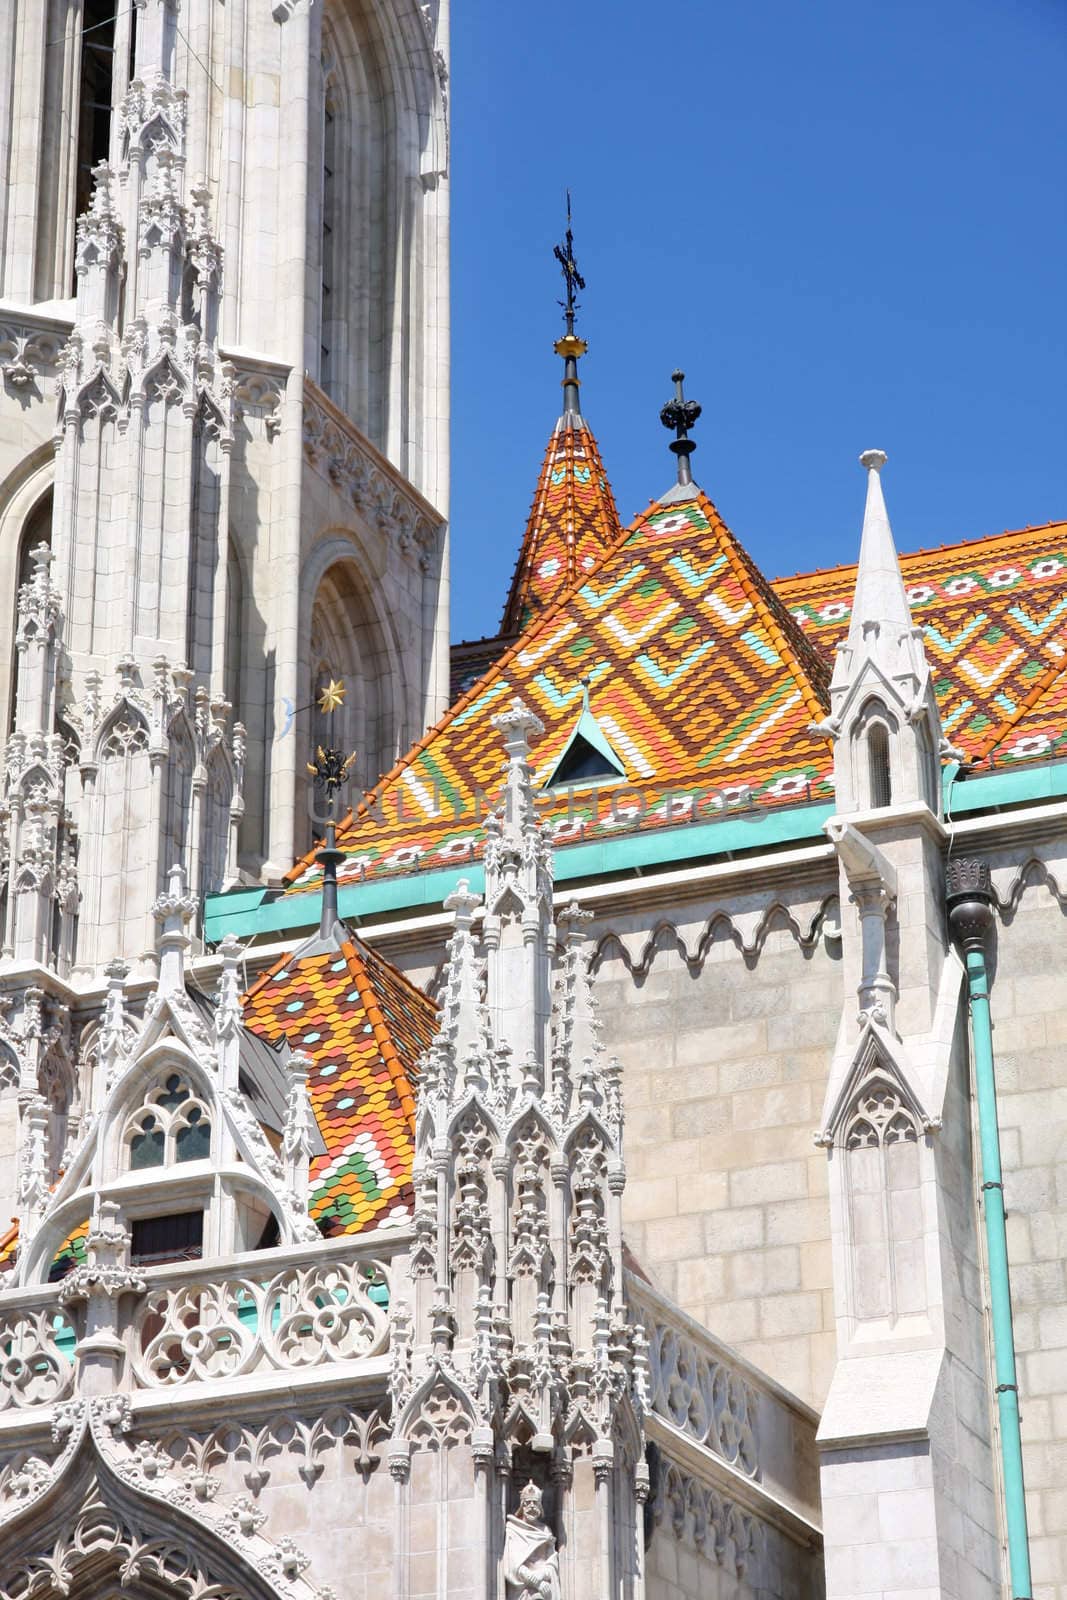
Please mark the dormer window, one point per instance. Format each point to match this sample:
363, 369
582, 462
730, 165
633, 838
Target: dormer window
171, 1126
588, 756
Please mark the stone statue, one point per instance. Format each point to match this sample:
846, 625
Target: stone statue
531, 1562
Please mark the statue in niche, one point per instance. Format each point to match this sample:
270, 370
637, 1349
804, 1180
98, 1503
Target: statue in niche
531, 1561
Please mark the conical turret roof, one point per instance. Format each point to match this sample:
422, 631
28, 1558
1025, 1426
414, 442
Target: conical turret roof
572, 523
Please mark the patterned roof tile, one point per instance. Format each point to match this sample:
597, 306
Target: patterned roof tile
698, 675
994, 618
364, 1026
572, 522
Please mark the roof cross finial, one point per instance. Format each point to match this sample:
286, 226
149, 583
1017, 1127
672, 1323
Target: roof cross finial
680, 414
570, 347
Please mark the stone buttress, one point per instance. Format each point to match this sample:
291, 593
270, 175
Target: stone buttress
905, 1433
514, 1340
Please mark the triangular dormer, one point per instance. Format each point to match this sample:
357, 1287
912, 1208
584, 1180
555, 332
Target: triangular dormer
588, 755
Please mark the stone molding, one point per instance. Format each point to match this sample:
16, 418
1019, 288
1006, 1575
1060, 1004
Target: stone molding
334, 446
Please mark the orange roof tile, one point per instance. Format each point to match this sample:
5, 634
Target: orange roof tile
698, 675
365, 1027
572, 522
994, 617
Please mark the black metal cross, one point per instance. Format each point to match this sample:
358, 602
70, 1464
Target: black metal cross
564, 254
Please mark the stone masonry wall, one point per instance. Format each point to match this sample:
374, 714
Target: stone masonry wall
1029, 1005
724, 1070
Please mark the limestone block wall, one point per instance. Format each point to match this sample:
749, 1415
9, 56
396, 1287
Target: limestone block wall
724, 1068
1028, 997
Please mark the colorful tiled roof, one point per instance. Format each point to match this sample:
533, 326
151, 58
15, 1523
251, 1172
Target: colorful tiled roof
470, 659
994, 618
71, 1253
572, 522
365, 1027
697, 674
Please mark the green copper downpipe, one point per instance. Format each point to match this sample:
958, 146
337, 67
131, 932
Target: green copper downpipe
970, 908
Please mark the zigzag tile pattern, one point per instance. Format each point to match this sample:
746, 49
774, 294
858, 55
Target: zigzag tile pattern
365, 1027
994, 619
572, 522
698, 676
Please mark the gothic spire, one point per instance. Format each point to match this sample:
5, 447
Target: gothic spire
573, 520
879, 602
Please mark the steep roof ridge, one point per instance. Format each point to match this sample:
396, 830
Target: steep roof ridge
382, 1034
793, 645
528, 592
800, 654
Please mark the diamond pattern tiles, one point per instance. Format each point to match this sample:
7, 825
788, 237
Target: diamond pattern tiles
572, 522
698, 676
365, 1027
994, 619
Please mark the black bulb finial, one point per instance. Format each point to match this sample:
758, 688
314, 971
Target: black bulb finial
680, 414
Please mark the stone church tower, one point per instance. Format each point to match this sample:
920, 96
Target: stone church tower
585, 1176
224, 353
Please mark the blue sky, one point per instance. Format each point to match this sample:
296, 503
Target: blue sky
845, 220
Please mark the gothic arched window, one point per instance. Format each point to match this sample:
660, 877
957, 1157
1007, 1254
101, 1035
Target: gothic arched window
881, 785
873, 749
172, 1125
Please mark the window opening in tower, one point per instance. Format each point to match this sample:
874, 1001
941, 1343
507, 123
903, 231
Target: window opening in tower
94, 96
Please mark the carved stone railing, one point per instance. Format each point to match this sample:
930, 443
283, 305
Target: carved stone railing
226, 1327
36, 1352
706, 1402
285, 1311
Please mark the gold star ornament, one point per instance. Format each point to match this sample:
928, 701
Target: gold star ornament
333, 695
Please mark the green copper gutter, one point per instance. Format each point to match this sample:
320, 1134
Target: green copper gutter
251, 912
971, 918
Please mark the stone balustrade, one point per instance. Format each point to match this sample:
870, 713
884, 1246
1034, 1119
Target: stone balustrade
280, 1311
717, 1416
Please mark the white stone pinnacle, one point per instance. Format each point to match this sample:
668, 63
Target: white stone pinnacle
880, 602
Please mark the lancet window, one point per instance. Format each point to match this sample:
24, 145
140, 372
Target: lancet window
872, 755
172, 1125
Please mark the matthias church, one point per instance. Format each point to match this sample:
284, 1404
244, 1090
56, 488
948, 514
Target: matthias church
606, 1143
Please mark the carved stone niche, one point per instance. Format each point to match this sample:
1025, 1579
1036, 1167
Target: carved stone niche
531, 1548
531, 1466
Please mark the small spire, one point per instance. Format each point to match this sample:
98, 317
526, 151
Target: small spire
880, 602
570, 347
329, 769
680, 414
517, 725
